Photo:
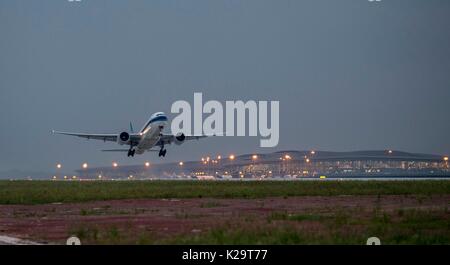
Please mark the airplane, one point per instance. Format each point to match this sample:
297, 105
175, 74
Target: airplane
148, 137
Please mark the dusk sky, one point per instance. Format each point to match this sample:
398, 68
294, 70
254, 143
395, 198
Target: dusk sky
349, 74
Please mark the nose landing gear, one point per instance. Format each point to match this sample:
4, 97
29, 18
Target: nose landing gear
131, 152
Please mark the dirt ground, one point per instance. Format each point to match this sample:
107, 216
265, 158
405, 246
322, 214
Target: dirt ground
54, 223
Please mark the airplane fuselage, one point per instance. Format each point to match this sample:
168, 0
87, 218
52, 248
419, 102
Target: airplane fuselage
151, 132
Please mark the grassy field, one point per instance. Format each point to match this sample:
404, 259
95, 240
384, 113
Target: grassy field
337, 226
39, 192
341, 226
227, 212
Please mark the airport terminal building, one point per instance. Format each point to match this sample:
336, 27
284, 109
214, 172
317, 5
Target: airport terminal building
285, 164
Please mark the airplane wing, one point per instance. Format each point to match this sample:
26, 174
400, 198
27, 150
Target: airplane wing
104, 137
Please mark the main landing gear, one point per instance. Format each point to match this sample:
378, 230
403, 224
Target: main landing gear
162, 152
131, 152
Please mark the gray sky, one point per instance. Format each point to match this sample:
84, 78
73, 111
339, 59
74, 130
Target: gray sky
349, 74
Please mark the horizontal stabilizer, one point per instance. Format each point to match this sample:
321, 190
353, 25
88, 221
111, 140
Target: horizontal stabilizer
126, 150
115, 150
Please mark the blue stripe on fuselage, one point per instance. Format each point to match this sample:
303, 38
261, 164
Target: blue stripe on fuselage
158, 118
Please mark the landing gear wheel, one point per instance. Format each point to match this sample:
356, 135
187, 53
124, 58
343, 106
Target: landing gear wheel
162, 152
131, 152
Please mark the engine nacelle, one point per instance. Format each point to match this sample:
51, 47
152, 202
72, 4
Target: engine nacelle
179, 138
124, 138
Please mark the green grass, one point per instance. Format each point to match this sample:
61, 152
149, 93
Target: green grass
401, 232
38, 192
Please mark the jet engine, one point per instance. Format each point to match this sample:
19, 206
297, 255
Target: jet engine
124, 138
179, 138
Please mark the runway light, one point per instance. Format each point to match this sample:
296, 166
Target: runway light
114, 164
231, 157
288, 157
147, 164
85, 165
307, 160
445, 158
313, 152
181, 163
219, 157
254, 157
